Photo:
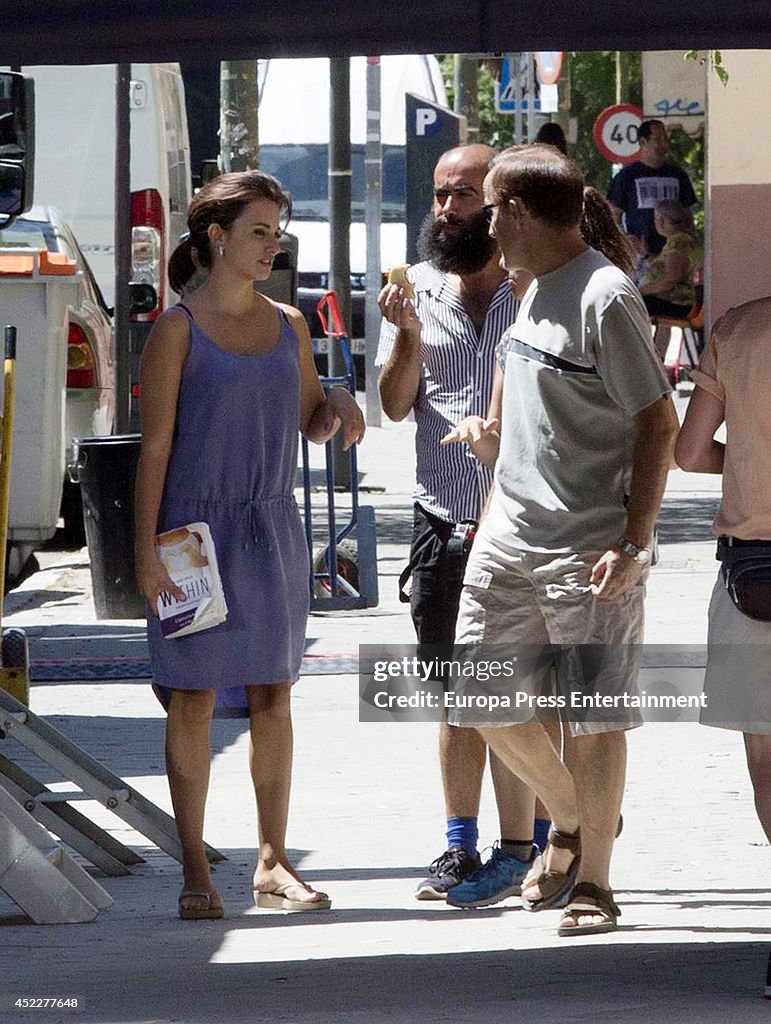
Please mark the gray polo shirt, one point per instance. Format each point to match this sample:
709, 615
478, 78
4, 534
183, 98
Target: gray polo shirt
579, 365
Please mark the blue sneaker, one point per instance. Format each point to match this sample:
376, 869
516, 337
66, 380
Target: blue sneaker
496, 879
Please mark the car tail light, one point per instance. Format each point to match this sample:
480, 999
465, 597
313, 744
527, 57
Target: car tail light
81, 368
148, 245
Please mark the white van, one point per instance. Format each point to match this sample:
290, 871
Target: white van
294, 138
75, 164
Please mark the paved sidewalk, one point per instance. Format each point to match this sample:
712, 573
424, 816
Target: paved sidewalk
692, 869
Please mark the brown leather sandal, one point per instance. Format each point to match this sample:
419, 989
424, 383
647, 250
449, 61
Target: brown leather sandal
200, 906
603, 906
555, 886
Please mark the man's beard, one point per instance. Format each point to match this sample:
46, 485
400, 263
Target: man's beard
466, 250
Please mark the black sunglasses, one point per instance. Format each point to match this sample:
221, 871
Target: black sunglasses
487, 211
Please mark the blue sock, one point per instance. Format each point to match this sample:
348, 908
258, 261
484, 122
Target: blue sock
541, 832
462, 832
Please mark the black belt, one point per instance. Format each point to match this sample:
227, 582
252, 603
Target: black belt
737, 542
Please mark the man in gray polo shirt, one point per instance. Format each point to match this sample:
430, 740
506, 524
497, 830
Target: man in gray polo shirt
587, 429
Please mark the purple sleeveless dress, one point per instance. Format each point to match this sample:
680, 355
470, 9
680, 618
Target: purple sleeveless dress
233, 466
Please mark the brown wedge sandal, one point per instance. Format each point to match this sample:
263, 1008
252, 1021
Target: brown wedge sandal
603, 906
555, 886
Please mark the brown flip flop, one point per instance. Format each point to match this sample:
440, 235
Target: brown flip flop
277, 899
210, 906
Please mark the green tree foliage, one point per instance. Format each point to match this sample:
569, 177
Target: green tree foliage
688, 150
592, 89
715, 60
494, 128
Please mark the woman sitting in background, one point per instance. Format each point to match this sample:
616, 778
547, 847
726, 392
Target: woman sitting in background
667, 287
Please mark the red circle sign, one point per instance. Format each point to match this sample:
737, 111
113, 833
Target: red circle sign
615, 133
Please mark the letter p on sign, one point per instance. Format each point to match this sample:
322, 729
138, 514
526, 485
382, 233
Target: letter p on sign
426, 121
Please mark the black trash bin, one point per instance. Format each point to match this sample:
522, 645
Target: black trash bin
106, 468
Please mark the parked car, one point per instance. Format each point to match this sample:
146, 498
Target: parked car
90, 400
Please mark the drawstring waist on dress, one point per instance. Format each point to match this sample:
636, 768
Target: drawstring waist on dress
253, 528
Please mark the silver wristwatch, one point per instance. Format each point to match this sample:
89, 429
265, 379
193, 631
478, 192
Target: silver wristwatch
640, 555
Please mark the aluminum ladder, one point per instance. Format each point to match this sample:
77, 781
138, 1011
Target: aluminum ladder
94, 782
48, 885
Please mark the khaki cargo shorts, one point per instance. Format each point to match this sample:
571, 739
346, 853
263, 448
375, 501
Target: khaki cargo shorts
532, 640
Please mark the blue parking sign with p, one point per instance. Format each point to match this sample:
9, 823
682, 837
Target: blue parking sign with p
430, 130
427, 121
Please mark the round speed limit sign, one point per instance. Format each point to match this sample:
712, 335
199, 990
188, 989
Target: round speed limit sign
615, 133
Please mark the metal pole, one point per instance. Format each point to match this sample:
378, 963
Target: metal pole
466, 92
340, 224
373, 161
516, 67
563, 114
622, 76
122, 246
239, 103
531, 129
6, 431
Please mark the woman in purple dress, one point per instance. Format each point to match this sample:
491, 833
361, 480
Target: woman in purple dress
227, 382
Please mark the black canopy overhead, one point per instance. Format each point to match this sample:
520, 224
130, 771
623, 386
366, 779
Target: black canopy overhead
93, 31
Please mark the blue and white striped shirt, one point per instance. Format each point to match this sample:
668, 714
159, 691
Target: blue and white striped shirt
457, 381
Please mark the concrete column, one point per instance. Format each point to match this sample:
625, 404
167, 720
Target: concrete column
738, 182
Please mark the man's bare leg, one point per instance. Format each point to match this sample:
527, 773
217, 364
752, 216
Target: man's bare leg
758, 750
501, 875
542, 822
515, 801
462, 756
597, 763
527, 751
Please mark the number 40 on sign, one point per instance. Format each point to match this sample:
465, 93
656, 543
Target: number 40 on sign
615, 133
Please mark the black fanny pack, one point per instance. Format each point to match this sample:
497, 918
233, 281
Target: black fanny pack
746, 570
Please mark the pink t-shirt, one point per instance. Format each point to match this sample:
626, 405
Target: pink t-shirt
736, 368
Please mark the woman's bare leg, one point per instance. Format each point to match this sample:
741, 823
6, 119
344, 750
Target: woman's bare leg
270, 757
188, 762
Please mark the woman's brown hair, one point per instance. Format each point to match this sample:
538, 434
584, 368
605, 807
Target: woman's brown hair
600, 230
219, 202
